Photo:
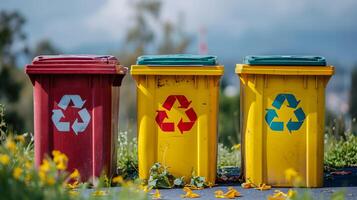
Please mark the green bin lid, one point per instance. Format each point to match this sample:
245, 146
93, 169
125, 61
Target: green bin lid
177, 59
285, 60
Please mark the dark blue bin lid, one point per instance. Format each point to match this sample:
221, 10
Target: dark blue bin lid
285, 60
177, 59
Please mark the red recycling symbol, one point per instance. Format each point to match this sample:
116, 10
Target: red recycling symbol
170, 126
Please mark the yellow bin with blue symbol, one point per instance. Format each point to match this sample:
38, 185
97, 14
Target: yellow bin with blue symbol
177, 105
282, 119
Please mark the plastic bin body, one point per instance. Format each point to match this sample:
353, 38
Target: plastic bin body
282, 119
76, 104
177, 116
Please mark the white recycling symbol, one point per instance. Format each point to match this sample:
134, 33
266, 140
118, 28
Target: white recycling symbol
57, 115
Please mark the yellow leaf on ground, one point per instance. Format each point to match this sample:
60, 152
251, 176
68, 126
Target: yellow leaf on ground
193, 187
230, 194
247, 185
189, 193
156, 195
263, 186
278, 195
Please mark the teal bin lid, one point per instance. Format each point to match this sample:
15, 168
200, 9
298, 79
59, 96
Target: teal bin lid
285, 60
177, 59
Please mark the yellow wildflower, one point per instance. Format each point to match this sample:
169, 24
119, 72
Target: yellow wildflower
10, 144
189, 193
73, 185
156, 195
99, 193
50, 181
45, 166
145, 188
28, 178
4, 159
28, 165
75, 174
17, 172
291, 193
20, 138
60, 159
263, 186
290, 174
236, 147
118, 179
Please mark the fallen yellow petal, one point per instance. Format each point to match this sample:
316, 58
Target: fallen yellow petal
230, 194
263, 186
189, 193
193, 187
156, 195
247, 185
278, 195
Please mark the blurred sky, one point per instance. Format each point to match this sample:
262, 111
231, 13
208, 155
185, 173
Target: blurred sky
235, 28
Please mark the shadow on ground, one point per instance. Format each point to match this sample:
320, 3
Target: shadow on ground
341, 177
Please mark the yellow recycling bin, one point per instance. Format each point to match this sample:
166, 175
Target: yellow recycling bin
177, 97
282, 119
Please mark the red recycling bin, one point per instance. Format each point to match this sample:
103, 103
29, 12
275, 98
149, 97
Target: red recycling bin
76, 105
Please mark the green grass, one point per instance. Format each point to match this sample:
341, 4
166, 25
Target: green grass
341, 153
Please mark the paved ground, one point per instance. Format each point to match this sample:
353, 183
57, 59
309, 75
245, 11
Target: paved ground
322, 193
340, 180
208, 194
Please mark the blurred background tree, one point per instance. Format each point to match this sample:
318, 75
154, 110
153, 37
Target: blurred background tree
353, 100
11, 35
15, 87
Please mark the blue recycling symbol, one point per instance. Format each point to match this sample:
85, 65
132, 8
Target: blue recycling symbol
293, 104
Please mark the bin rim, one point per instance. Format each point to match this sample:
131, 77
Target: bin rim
284, 70
284, 60
217, 70
75, 64
177, 60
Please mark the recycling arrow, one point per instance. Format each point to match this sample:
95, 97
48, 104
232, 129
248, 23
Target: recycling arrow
165, 126
77, 126
186, 126
292, 103
161, 115
56, 117
81, 126
269, 117
280, 98
66, 99
294, 126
